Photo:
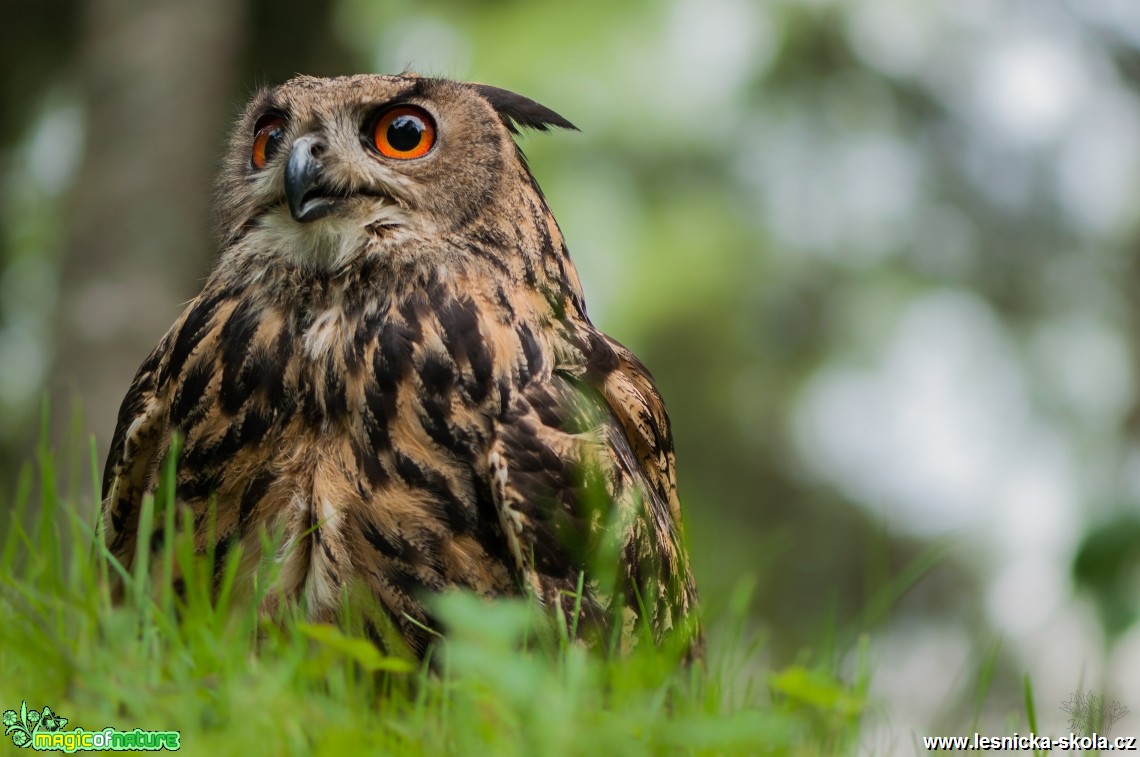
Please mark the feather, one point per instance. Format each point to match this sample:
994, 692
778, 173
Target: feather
517, 111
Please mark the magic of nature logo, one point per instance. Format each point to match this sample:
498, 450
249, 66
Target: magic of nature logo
45, 730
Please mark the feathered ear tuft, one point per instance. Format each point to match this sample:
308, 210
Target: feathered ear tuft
518, 112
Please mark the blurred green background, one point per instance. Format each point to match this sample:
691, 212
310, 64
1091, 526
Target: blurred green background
881, 256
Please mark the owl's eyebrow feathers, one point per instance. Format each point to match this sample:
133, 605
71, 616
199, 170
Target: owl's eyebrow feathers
515, 111
270, 98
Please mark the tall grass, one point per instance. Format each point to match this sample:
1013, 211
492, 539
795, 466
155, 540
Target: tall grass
210, 665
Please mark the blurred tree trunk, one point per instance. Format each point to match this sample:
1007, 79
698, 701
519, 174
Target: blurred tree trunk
156, 78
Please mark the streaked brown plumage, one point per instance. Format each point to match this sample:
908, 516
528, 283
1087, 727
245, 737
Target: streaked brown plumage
391, 361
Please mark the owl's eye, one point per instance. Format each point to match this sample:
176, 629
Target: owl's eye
267, 138
404, 132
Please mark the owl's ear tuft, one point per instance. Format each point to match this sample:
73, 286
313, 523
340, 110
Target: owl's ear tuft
518, 112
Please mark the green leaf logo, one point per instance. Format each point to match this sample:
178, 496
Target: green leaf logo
23, 725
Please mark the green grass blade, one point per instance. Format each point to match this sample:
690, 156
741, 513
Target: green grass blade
1030, 710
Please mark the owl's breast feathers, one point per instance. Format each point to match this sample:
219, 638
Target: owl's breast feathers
410, 437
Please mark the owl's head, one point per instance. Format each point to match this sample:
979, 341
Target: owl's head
317, 168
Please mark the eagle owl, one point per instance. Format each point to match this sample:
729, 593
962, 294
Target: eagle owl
391, 366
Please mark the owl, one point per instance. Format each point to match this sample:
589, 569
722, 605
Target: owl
390, 367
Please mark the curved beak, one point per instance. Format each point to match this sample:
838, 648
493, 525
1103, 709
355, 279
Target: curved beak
302, 177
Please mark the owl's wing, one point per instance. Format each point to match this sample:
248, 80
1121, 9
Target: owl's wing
582, 471
137, 442
186, 383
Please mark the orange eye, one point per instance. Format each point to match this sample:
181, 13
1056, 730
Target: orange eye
268, 133
404, 132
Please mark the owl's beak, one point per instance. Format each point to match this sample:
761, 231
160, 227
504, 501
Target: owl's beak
306, 197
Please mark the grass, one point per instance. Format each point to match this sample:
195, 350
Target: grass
231, 680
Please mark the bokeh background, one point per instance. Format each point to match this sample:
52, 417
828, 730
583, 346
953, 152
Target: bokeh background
883, 258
